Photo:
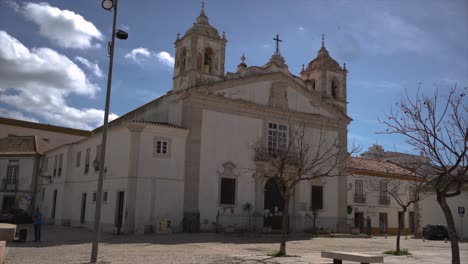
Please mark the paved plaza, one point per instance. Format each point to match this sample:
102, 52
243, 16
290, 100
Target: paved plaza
72, 245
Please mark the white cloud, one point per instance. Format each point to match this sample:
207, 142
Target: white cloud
165, 58
38, 80
141, 54
138, 55
300, 28
64, 27
16, 115
94, 67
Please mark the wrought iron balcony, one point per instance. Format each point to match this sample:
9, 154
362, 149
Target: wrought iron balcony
359, 198
384, 200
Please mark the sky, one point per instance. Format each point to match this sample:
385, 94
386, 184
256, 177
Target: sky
54, 62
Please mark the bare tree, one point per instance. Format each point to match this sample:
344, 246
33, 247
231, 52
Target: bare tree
437, 126
294, 158
405, 187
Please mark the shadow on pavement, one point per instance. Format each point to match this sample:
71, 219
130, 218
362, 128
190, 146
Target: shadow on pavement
59, 235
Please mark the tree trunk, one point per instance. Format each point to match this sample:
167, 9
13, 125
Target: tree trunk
284, 226
452, 233
401, 220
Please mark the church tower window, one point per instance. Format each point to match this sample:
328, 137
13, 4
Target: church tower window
334, 89
313, 84
183, 57
208, 61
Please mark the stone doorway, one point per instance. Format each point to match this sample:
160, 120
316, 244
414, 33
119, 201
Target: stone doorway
273, 205
359, 221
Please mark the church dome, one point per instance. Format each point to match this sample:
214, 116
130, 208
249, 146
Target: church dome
203, 27
324, 61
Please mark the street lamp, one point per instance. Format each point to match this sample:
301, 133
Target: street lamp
120, 34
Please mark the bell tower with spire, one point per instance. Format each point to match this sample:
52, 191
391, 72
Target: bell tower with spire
199, 56
327, 77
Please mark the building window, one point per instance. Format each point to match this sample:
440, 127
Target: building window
412, 193
104, 197
208, 61
383, 197
98, 157
55, 165
45, 166
78, 158
87, 158
228, 191
334, 89
94, 197
317, 197
60, 164
277, 138
161, 147
12, 174
359, 192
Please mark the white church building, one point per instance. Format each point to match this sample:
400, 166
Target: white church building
186, 157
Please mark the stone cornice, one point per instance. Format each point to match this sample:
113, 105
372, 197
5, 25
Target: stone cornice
135, 127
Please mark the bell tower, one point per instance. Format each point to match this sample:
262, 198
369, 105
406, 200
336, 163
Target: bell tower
199, 56
327, 77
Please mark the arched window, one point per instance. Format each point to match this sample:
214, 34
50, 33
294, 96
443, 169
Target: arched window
208, 61
313, 83
183, 58
334, 89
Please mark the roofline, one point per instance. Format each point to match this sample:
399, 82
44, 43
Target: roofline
46, 127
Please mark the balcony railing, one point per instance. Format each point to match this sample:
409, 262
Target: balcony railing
359, 198
384, 200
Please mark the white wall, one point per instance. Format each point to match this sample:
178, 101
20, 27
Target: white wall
258, 92
226, 137
158, 180
431, 213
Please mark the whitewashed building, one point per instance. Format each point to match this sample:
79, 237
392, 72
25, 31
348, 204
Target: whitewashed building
22, 146
369, 200
186, 156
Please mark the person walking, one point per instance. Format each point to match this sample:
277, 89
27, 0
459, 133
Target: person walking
37, 218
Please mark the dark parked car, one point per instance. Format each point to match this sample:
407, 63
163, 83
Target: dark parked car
435, 232
15, 216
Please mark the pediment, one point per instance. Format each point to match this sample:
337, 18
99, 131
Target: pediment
276, 90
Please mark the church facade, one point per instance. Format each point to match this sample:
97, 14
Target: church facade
186, 157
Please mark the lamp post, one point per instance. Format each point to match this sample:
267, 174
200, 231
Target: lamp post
110, 5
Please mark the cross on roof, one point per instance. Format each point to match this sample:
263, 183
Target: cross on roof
278, 40
203, 5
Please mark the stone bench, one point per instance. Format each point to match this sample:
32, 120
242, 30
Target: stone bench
7, 233
338, 257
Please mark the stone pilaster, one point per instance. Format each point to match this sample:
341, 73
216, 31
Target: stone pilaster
134, 157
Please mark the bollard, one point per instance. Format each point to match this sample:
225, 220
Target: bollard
406, 237
445, 240
424, 239
385, 235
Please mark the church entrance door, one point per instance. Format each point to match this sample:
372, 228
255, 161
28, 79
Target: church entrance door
273, 205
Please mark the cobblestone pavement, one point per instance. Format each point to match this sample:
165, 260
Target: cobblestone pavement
72, 245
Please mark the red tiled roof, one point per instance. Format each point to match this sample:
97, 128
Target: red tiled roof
376, 166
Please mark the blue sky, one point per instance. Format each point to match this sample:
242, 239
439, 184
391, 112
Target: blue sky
53, 55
